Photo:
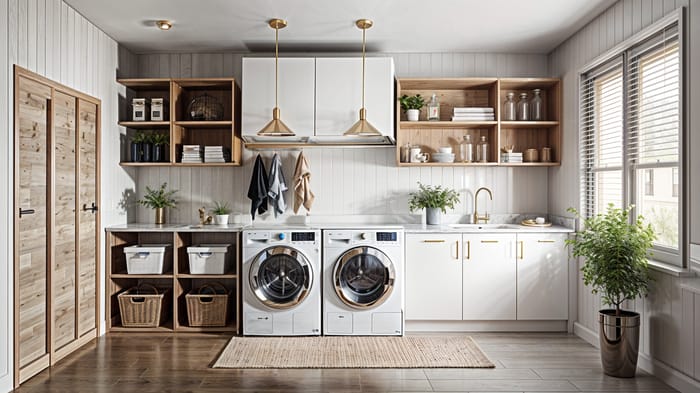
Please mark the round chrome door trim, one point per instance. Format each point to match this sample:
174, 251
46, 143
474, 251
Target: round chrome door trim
350, 297
262, 286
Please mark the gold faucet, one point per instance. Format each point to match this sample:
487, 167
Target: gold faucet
477, 218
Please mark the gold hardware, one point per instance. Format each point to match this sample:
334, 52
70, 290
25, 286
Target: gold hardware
477, 218
545, 241
433, 241
276, 126
164, 24
521, 249
489, 241
457, 248
469, 249
362, 127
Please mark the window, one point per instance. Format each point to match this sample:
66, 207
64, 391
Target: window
630, 130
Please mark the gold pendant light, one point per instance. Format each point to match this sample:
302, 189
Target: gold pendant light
362, 127
276, 127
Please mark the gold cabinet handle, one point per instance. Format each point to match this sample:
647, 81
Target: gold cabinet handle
489, 241
468, 254
457, 249
433, 241
545, 241
521, 249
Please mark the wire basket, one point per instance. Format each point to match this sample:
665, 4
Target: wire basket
205, 108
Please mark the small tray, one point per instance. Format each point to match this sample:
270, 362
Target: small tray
532, 223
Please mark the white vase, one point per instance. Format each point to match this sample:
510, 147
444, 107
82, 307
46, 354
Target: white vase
433, 216
221, 219
412, 114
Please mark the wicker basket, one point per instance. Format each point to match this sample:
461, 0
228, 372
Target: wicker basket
208, 305
143, 306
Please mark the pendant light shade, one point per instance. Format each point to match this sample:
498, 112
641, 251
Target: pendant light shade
362, 127
276, 127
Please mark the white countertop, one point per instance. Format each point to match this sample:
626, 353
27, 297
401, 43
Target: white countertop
496, 228
143, 227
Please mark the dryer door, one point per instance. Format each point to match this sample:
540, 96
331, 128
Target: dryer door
363, 277
281, 277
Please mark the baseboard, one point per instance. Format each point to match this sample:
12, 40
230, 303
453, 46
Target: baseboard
486, 326
668, 375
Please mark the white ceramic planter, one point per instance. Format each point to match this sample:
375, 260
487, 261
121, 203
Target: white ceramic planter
412, 114
221, 219
433, 216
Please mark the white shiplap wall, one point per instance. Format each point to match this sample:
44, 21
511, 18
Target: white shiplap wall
670, 325
50, 38
351, 182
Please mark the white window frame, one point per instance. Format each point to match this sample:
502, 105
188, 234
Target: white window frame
662, 255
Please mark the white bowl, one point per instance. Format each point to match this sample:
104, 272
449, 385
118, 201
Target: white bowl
446, 150
442, 157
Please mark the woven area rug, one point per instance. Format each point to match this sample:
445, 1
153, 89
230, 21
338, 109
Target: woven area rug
353, 352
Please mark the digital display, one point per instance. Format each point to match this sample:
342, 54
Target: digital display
386, 236
303, 236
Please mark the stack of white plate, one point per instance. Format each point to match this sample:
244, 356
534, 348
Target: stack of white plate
443, 157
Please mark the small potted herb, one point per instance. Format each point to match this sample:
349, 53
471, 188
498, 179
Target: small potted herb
412, 105
615, 251
158, 200
221, 212
434, 199
137, 142
160, 141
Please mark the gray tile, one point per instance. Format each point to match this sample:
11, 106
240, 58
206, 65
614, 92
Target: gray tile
476, 373
480, 385
610, 384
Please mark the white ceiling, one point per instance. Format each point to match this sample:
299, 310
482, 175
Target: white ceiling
509, 26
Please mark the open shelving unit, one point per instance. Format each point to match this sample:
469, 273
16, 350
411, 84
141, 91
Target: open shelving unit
178, 280
180, 127
480, 92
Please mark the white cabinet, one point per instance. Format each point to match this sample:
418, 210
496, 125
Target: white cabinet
296, 94
433, 277
339, 94
542, 265
489, 276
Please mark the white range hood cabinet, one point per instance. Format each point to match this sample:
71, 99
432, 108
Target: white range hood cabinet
319, 99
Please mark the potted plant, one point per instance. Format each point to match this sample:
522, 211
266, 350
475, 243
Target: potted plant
147, 148
137, 146
221, 211
615, 252
411, 105
434, 199
160, 141
158, 200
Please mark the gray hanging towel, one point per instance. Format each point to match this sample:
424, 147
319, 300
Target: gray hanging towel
276, 186
257, 191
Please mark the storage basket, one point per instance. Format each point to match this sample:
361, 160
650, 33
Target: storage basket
143, 306
209, 258
208, 306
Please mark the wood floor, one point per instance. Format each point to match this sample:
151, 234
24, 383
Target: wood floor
144, 364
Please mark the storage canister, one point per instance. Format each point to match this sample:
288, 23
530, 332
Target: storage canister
148, 258
209, 258
140, 109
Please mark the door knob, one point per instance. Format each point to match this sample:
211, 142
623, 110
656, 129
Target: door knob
25, 212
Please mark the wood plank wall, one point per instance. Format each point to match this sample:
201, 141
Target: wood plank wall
671, 324
370, 184
52, 39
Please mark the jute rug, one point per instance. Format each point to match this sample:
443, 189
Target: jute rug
353, 352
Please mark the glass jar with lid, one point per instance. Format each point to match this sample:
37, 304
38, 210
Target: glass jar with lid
466, 149
536, 106
523, 108
509, 107
482, 150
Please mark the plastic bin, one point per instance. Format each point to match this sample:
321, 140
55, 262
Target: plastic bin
209, 258
148, 258
143, 306
208, 305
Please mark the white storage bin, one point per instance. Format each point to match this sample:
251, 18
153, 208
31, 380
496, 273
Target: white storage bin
209, 259
148, 258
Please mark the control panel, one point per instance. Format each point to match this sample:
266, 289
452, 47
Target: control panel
257, 238
350, 237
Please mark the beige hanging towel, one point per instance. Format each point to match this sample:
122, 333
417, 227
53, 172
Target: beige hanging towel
302, 187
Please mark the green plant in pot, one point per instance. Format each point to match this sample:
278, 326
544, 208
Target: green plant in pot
434, 199
158, 199
615, 249
412, 105
137, 142
160, 141
221, 212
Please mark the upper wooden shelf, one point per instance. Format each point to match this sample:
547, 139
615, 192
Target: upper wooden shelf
528, 83
146, 84
529, 124
446, 83
145, 124
204, 124
447, 124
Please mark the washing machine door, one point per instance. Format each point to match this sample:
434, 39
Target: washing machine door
281, 277
363, 277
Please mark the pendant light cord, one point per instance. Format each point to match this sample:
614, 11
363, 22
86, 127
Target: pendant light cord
277, 30
364, 31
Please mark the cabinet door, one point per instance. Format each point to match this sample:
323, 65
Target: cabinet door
433, 277
296, 94
489, 275
339, 94
542, 277
32, 125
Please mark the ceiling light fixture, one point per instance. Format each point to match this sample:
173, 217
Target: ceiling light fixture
164, 24
362, 127
276, 127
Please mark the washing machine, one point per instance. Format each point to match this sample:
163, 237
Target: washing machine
363, 284
281, 282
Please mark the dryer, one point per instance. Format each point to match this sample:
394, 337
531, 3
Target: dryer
363, 289
281, 282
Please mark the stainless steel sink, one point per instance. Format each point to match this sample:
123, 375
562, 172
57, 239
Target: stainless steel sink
485, 227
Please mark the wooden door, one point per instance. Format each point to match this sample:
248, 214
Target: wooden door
489, 277
32, 224
433, 277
